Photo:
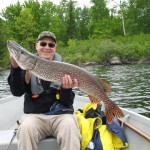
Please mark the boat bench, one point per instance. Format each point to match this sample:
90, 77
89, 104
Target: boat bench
49, 143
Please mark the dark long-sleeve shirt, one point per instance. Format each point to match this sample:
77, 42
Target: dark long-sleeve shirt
42, 104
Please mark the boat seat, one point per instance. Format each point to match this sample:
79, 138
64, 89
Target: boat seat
49, 143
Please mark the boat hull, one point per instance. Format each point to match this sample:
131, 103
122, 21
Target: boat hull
11, 109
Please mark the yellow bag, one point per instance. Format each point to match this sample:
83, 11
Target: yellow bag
87, 125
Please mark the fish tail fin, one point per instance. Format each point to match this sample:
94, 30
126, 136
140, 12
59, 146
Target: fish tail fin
112, 110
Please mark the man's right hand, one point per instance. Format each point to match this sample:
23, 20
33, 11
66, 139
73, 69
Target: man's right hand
13, 62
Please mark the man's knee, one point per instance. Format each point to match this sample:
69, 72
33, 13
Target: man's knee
69, 123
27, 127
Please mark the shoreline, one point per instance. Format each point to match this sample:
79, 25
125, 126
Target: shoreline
116, 62
144, 61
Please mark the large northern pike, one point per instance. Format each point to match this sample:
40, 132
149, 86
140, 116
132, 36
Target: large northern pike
54, 71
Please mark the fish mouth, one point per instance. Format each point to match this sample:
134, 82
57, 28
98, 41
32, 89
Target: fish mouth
11, 47
8, 41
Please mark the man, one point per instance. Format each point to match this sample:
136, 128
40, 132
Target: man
47, 105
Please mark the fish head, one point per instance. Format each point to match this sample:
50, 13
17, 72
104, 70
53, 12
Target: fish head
24, 59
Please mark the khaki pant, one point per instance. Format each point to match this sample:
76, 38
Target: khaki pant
35, 127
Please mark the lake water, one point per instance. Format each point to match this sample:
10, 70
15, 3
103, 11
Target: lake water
4, 87
130, 85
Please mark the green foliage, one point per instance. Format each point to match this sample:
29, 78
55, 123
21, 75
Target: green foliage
10, 15
71, 23
100, 18
4, 60
25, 26
137, 16
100, 50
83, 34
83, 23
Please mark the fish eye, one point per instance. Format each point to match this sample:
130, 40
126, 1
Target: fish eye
22, 52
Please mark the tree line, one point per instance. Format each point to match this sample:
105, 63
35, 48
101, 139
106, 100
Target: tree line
83, 34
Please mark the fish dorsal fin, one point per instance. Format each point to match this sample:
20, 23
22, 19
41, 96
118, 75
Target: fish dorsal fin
93, 99
105, 85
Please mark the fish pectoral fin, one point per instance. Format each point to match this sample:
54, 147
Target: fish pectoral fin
27, 76
93, 99
105, 85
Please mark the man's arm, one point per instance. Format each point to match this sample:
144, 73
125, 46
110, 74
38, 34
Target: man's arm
67, 97
16, 79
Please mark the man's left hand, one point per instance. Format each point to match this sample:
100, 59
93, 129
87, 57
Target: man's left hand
69, 83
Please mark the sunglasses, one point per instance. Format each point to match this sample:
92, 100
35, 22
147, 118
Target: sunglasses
43, 44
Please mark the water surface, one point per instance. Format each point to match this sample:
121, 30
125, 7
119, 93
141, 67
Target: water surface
130, 85
4, 87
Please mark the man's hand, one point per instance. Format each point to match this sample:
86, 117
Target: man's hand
68, 83
13, 62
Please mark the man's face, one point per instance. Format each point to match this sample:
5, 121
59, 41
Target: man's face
46, 48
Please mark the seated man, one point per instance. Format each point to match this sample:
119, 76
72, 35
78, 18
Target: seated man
39, 97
